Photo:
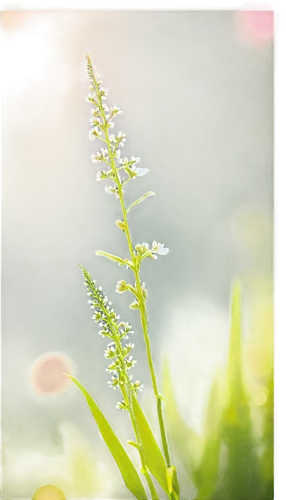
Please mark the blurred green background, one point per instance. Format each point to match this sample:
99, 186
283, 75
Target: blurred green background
196, 89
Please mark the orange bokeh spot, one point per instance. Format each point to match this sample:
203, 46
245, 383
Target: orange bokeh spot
47, 379
49, 492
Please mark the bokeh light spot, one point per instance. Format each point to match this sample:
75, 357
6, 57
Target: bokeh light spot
48, 374
49, 492
256, 26
261, 397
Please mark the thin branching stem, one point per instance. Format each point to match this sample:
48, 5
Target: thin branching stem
109, 156
128, 400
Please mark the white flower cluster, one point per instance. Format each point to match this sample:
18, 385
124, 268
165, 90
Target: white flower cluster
101, 122
144, 250
115, 330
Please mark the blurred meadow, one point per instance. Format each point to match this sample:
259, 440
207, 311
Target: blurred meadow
196, 89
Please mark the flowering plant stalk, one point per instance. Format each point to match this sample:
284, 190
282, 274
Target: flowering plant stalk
120, 171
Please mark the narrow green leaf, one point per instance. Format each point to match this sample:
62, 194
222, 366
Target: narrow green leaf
215, 405
185, 441
152, 454
114, 258
110, 256
126, 467
211, 459
140, 199
237, 408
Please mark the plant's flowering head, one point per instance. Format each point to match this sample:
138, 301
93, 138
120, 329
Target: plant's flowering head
102, 120
143, 250
114, 329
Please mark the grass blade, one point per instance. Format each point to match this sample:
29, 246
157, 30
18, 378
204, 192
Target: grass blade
237, 410
152, 454
208, 471
126, 467
185, 441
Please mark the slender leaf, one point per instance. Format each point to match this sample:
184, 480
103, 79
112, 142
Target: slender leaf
126, 467
237, 408
152, 454
186, 442
207, 473
110, 256
140, 199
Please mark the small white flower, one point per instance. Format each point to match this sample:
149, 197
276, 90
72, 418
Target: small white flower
138, 171
129, 346
111, 124
115, 110
103, 91
117, 154
96, 158
141, 171
111, 190
122, 138
125, 328
159, 248
90, 97
135, 160
138, 386
99, 177
141, 248
103, 175
113, 367
94, 111
102, 333
104, 152
124, 161
121, 406
94, 133
113, 383
110, 352
121, 286
95, 121
99, 157
130, 363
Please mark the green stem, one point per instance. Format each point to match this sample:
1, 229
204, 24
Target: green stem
128, 395
130, 392
128, 401
144, 324
141, 299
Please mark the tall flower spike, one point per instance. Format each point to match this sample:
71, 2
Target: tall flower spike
113, 143
102, 121
116, 331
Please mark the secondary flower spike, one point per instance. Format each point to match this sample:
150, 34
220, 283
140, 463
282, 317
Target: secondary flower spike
114, 329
